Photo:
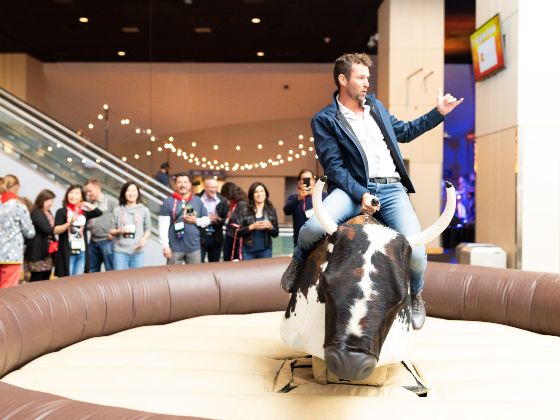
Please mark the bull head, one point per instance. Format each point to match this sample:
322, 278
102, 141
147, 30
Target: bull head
356, 284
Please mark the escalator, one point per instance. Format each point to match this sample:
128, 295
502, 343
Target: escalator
62, 156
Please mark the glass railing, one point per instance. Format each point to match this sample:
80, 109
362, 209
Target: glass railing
64, 157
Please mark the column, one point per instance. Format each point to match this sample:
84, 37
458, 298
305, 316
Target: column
410, 69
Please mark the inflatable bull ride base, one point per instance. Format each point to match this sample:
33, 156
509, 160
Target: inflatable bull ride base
203, 341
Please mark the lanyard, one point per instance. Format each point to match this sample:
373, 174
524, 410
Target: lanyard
230, 211
175, 201
123, 217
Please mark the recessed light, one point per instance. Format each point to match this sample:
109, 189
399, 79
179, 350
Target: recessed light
260, 54
84, 19
203, 30
256, 20
130, 29
121, 53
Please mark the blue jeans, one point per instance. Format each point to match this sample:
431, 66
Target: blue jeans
100, 253
77, 264
249, 254
396, 211
122, 261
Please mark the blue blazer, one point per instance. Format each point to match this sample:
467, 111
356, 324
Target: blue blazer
341, 154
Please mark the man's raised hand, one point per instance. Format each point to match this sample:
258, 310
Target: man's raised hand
446, 103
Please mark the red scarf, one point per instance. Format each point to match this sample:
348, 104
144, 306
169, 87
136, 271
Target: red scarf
74, 208
179, 197
8, 196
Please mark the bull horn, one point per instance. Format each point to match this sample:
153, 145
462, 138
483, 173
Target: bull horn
441, 223
323, 218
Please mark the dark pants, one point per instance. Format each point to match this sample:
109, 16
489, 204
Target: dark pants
228, 246
100, 252
212, 248
40, 275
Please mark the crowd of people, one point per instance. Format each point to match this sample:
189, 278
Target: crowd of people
92, 231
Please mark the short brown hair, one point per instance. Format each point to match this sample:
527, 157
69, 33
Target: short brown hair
343, 64
95, 182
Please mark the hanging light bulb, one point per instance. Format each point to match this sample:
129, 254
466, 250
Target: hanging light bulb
215, 147
149, 153
124, 158
280, 142
300, 136
278, 156
90, 126
153, 138
171, 138
310, 148
311, 139
105, 107
100, 117
300, 146
138, 131
159, 149
289, 158
259, 146
291, 152
238, 147
193, 144
149, 131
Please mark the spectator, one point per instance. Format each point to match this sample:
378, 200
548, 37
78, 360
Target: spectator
258, 223
40, 250
15, 225
131, 226
100, 249
163, 175
212, 237
70, 223
300, 205
234, 195
180, 217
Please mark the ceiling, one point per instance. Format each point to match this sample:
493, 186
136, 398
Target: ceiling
304, 31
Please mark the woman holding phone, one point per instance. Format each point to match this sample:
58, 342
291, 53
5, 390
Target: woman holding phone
131, 226
258, 224
70, 225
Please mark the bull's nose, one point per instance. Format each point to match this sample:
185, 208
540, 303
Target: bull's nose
349, 365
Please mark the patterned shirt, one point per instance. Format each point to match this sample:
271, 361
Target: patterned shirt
15, 225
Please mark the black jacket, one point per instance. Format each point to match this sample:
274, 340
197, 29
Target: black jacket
246, 216
62, 258
38, 248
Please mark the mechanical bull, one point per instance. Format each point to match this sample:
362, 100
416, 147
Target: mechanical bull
351, 306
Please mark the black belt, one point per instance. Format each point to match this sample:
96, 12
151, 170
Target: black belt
385, 180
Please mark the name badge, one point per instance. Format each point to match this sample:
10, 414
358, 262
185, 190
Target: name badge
309, 213
179, 230
130, 231
77, 245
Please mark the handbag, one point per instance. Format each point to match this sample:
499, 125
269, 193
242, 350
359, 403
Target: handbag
53, 247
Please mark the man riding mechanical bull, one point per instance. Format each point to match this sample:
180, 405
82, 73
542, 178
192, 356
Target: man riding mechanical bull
356, 142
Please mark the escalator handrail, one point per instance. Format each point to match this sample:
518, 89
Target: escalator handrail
43, 119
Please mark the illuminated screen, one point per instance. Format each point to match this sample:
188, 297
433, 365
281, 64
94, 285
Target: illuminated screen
487, 49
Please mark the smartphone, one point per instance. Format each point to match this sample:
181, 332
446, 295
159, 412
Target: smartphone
190, 210
307, 182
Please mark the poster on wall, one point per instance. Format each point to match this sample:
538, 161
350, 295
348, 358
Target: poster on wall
487, 49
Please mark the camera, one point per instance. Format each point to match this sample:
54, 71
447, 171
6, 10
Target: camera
307, 182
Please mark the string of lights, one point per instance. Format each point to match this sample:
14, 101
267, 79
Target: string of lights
293, 147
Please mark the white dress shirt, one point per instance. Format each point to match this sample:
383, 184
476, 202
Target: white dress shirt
380, 161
